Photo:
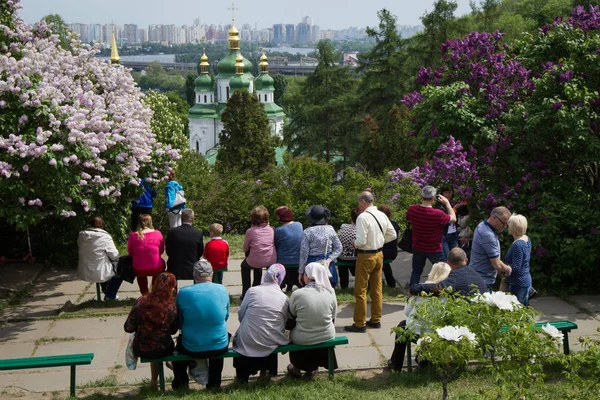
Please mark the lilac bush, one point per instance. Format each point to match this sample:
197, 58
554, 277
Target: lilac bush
528, 116
75, 135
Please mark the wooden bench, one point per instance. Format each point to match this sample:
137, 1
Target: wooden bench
330, 345
563, 326
71, 360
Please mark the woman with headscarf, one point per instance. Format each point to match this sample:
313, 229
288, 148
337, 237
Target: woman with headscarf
262, 315
319, 242
314, 308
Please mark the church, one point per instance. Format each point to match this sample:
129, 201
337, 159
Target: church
234, 73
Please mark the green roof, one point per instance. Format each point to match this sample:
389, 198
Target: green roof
264, 82
240, 82
203, 111
205, 83
273, 110
226, 66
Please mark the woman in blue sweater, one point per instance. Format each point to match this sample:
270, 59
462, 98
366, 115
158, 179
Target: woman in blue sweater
518, 256
288, 237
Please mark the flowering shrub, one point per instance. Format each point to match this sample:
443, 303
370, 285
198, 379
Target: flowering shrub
529, 113
75, 135
167, 124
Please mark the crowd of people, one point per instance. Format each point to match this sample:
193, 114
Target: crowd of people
291, 256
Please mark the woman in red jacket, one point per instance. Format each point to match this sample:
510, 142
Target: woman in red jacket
146, 247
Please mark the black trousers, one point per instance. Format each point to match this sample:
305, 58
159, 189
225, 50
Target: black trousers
246, 269
181, 379
345, 272
246, 366
399, 350
389, 275
135, 215
291, 278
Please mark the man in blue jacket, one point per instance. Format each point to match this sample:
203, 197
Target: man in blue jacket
143, 205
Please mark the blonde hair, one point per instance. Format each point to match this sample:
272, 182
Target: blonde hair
517, 225
439, 272
216, 229
144, 222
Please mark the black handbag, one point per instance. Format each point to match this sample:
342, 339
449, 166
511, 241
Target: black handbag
125, 268
405, 244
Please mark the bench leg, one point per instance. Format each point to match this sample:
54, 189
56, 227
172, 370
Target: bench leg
161, 376
566, 342
408, 356
72, 388
330, 358
98, 292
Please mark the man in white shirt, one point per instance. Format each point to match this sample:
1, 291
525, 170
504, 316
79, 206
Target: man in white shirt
373, 229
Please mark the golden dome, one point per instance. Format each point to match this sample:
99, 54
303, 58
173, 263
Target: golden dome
239, 64
204, 63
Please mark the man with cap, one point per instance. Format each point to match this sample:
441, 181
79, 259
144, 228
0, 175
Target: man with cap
427, 225
373, 229
203, 310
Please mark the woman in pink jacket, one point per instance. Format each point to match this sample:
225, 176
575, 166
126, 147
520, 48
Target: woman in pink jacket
146, 247
259, 246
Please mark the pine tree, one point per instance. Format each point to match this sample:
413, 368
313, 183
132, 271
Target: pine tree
245, 143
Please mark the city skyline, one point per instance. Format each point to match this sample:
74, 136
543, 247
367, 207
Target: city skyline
335, 14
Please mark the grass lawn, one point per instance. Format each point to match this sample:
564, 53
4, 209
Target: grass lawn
373, 384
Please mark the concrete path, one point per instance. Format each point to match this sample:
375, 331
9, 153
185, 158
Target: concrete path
43, 324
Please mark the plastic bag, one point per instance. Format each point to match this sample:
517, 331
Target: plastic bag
131, 359
200, 371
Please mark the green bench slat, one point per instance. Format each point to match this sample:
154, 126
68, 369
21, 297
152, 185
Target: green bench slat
330, 344
44, 362
71, 360
340, 340
560, 325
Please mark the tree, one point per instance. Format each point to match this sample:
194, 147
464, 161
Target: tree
323, 111
245, 143
190, 87
75, 136
438, 26
381, 68
167, 123
59, 27
280, 83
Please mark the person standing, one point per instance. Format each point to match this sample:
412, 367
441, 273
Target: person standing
143, 205
203, 310
184, 247
173, 213
449, 233
427, 224
347, 235
518, 257
373, 229
390, 249
217, 252
485, 247
288, 237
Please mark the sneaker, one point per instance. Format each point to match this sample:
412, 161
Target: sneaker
354, 328
532, 293
106, 298
374, 325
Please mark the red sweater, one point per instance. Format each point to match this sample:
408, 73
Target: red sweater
217, 252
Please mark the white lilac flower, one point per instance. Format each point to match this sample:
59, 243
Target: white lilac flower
551, 331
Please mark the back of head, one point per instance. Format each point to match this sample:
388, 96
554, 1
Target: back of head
172, 175
144, 222
284, 214
439, 272
202, 270
259, 216
187, 216
157, 304
428, 192
354, 213
384, 208
367, 196
500, 212
97, 222
517, 225
457, 257
216, 229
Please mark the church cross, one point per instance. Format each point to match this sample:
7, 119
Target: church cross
233, 10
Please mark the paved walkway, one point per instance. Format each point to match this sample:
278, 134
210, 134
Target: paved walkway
43, 324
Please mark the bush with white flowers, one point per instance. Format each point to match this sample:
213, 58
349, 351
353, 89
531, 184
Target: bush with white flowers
75, 136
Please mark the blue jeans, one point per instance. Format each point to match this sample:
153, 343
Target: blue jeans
111, 287
521, 292
449, 242
218, 277
418, 263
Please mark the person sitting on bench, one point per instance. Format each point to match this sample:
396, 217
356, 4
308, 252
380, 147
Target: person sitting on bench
203, 310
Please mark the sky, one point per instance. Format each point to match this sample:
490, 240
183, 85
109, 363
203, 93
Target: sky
328, 14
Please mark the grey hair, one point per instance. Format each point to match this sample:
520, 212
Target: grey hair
187, 215
457, 256
366, 196
428, 192
499, 212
